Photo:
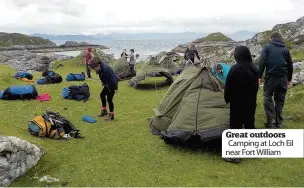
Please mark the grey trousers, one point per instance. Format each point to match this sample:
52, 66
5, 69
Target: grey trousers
276, 88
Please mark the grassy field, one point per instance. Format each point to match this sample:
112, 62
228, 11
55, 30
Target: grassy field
125, 153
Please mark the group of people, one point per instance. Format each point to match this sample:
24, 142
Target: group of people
132, 59
243, 81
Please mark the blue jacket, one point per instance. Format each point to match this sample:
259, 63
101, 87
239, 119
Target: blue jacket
222, 76
108, 77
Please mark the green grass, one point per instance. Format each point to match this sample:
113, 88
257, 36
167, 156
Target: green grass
125, 153
297, 55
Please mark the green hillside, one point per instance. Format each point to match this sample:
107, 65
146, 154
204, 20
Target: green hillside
215, 37
125, 153
10, 39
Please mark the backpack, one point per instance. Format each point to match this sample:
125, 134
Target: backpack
75, 77
80, 92
25, 92
50, 77
52, 125
22, 74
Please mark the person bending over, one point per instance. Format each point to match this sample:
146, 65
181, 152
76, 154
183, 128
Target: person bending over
110, 84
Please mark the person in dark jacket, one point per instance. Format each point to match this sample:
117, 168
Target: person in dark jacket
110, 83
241, 88
277, 61
191, 52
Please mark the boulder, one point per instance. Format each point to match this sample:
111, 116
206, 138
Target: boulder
27, 61
17, 156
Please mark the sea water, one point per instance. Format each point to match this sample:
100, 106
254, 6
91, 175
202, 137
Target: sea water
144, 48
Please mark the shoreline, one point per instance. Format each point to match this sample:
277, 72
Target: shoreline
48, 49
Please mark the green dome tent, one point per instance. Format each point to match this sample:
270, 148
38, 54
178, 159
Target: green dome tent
122, 68
168, 64
151, 69
193, 105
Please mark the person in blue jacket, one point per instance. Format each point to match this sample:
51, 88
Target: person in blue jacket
110, 82
220, 71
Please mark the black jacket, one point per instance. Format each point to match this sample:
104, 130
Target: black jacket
108, 77
275, 57
190, 54
242, 82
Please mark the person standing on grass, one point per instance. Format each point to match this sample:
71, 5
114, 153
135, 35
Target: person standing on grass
277, 61
88, 57
110, 83
241, 88
132, 62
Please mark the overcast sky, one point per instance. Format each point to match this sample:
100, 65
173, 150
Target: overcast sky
105, 16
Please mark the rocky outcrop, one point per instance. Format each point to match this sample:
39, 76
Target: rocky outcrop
211, 48
16, 158
27, 61
218, 46
45, 48
102, 55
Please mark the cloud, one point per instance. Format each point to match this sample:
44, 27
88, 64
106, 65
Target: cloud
96, 16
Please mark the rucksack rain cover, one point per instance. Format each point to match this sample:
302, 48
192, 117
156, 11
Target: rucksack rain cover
193, 105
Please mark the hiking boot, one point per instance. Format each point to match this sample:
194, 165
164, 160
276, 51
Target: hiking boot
103, 113
232, 160
109, 117
279, 125
270, 124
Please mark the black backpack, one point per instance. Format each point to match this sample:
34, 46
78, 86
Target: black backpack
77, 92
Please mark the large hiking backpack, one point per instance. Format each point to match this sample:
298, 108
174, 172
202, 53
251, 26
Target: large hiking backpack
75, 77
25, 92
80, 92
22, 74
52, 125
50, 77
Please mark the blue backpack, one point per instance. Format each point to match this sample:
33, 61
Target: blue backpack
75, 77
80, 92
22, 74
25, 92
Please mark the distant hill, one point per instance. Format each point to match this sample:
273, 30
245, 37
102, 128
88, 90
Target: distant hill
241, 35
237, 36
11, 39
65, 37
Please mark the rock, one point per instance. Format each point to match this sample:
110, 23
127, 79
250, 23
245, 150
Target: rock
298, 78
16, 158
102, 55
48, 179
27, 61
298, 65
71, 44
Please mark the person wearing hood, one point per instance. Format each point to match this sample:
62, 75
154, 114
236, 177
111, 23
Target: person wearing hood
241, 88
277, 61
110, 83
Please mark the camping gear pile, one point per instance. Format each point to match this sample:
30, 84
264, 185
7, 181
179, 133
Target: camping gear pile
52, 125
49, 77
193, 105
